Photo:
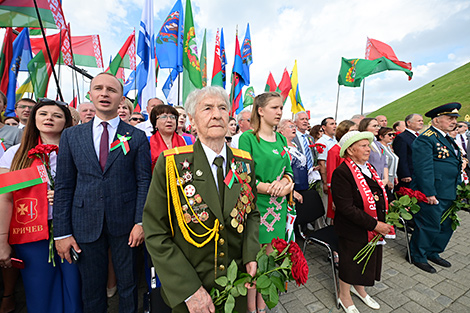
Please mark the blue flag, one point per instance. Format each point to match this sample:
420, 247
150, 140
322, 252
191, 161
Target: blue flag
146, 77
246, 55
170, 39
223, 57
130, 83
169, 83
238, 81
19, 62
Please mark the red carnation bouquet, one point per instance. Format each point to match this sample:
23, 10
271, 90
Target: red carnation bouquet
43, 153
408, 202
319, 146
285, 263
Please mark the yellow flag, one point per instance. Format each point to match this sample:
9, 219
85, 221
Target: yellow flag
26, 87
294, 94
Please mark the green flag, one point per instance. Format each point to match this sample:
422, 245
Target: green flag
192, 78
249, 97
353, 71
203, 60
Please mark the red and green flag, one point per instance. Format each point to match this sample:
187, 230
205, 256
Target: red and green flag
87, 51
270, 84
5, 56
20, 179
217, 74
203, 60
192, 78
284, 86
22, 13
376, 49
353, 71
40, 67
125, 57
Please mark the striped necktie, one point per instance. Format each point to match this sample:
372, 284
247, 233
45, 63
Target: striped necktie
307, 152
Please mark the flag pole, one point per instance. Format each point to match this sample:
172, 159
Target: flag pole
48, 51
178, 88
362, 101
337, 101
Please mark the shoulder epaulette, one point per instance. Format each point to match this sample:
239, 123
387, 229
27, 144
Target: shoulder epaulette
241, 153
178, 150
429, 133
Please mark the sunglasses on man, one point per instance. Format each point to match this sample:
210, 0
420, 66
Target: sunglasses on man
135, 119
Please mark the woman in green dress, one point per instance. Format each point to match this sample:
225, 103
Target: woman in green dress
273, 174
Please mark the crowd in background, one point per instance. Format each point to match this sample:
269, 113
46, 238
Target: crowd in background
318, 160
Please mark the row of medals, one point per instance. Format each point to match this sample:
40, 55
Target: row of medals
245, 201
442, 152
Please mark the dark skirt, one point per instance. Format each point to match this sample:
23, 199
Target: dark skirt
350, 272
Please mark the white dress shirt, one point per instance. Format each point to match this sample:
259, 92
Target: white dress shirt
146, 127
98, 130
211, 155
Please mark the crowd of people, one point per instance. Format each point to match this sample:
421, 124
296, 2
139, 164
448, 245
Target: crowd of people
121, 180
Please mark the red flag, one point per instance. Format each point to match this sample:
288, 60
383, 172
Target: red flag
270, 84
129, 49
376, 49
74, 102
285, 85
217, 79
6, 55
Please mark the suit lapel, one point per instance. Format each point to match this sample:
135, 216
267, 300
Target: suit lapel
231, 194
204, 182
88, 145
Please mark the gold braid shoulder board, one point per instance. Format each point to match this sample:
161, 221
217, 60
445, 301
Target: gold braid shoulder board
172, 176
241, 154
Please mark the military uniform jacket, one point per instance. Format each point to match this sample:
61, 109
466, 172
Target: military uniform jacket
436, 165
181, 266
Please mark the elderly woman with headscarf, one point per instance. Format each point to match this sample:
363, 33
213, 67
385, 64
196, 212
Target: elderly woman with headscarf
361, 202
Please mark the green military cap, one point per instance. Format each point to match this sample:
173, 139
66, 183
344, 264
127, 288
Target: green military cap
451, 109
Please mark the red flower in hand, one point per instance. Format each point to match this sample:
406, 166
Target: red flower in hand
279, 244
319, 146
421, 197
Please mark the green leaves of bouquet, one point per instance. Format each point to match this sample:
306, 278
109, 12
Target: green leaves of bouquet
285, 263
461, 202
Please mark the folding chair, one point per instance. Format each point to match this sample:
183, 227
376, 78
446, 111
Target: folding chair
307, 212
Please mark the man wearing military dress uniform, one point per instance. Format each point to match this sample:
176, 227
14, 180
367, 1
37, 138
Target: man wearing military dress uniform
437, 164
200, 212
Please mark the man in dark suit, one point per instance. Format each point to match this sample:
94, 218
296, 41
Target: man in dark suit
206, 223
103, 174
437, 164
402, 148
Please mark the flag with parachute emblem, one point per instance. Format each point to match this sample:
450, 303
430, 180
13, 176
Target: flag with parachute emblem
247, 56
170, 39
297, 105
237, 81
192, 78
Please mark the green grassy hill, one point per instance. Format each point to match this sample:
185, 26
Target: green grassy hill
452, 87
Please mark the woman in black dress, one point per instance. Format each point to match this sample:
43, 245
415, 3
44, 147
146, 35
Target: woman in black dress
361, 202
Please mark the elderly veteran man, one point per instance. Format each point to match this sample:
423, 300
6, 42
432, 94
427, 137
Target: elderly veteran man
195, 223
437, 162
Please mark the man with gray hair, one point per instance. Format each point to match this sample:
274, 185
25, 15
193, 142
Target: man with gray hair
244, 122
147, 126
402, 146
215, 223
87, 112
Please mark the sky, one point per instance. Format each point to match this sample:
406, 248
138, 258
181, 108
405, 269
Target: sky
432, 34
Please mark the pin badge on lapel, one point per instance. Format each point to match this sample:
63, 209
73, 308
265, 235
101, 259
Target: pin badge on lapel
199, 173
